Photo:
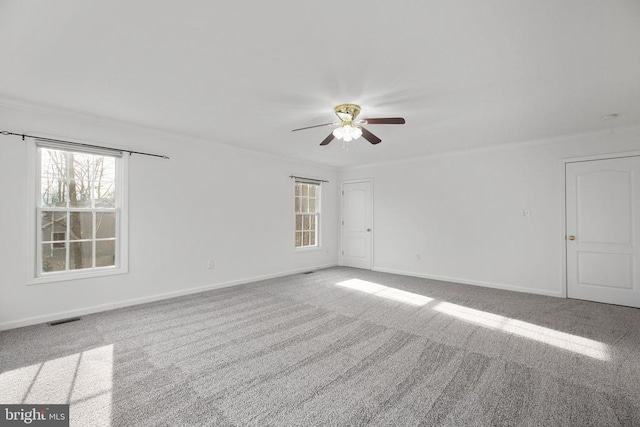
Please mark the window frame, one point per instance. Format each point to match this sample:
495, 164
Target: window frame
317, 214
34, 266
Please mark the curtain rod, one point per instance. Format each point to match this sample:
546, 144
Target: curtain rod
80, 144
308, 179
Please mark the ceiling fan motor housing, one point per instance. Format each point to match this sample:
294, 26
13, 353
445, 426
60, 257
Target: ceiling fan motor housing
347, 112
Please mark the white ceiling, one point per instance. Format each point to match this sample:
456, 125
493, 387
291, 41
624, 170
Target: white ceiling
464, 73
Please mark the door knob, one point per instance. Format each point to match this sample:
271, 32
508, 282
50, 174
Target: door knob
368, 229
571, 237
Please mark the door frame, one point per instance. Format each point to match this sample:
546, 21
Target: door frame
373, 225
580, 159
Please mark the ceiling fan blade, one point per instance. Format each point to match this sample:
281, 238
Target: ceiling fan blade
328, 139
385, 121
369, 136
315, 126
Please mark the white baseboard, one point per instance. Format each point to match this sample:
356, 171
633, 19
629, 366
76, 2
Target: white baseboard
472, 282
151, 298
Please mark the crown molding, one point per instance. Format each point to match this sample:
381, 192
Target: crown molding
559, 139
35, 108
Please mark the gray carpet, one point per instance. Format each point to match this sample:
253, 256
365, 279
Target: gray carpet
325, 349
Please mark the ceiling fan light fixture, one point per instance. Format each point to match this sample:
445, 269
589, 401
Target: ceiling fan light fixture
347, 132
357, 132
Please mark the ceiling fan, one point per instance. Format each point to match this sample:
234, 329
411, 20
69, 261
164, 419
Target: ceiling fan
350, 128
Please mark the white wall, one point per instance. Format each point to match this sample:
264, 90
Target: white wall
462, 212
210, 201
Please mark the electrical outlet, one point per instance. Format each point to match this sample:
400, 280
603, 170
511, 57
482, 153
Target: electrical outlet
211, 265
526, 213
418, 256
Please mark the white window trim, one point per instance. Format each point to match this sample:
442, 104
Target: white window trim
307, 249
33, 236
318, 246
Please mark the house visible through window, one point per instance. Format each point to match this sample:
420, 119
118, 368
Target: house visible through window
78, 211
307, 210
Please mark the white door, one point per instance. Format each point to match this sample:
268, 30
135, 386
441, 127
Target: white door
357, 223
603, 230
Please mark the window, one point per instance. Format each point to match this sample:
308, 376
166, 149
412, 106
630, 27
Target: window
307, 210
79, 212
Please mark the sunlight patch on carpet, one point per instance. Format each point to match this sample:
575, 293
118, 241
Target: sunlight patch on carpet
385, 292
574, 343
84, 380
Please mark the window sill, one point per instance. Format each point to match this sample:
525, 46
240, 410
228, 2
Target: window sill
308, 249
64, 277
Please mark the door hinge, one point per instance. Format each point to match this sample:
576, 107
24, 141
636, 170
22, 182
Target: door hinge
343, 192
342, 252
342, 222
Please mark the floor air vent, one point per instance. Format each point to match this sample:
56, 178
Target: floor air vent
60, 322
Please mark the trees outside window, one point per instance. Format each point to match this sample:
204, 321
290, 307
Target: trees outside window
78, 210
